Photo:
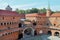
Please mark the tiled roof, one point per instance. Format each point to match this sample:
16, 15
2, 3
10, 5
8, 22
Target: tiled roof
56, 14
42, 15
31, 15
6, 12
35, 14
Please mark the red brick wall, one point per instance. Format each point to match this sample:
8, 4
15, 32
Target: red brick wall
12, 36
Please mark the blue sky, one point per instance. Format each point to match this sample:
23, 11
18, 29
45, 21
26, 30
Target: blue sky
27, 4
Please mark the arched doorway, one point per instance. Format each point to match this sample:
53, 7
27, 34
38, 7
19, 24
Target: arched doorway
20, 24
28, 32
35, 32
49, 33
56, 33
20, 36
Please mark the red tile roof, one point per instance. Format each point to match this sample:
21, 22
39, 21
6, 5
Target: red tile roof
31, 15
56, 14
42, 15
36, 14
6, 12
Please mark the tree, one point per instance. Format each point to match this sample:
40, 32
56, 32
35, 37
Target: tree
34, 10
17, 10
27, 11
20, 11
42, 10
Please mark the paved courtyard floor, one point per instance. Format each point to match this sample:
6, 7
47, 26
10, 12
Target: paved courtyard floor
42, 37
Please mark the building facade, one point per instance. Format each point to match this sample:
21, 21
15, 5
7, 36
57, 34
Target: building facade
14, 26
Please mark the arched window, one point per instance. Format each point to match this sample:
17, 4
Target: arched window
1, 23
7, 23
3, 18
49, 33
4, 23
10, 23
8, 27
56, 33
54, 24
13, 17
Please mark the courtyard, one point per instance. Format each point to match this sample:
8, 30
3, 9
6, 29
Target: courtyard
42, 37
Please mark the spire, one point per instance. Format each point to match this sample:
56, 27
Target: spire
48, 5
48, 11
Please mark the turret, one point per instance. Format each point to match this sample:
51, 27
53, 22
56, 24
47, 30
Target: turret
8, 8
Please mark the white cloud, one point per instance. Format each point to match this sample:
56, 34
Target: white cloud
55, 7
3, 5
24, 6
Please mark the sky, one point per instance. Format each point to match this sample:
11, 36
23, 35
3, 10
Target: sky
28, 4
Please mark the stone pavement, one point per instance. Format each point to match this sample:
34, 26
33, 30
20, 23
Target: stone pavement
42, 37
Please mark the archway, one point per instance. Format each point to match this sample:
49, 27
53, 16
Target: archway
20, 36
49, 33
56, 33
28, 32
20, 24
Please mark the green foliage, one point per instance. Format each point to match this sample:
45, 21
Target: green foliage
33, 10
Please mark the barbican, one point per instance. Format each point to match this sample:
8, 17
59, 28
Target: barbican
14, 26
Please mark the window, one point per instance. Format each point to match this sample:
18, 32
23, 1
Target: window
13, 17
34, 24
7, 23
1, 23
10, 22
20, 25
6, 34
3, 18
4, 23
54, 24
8, 27
3, 35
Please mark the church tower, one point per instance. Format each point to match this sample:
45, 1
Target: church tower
8, 8
48, 11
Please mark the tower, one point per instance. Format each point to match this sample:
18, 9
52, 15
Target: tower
48, 11
8, 8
